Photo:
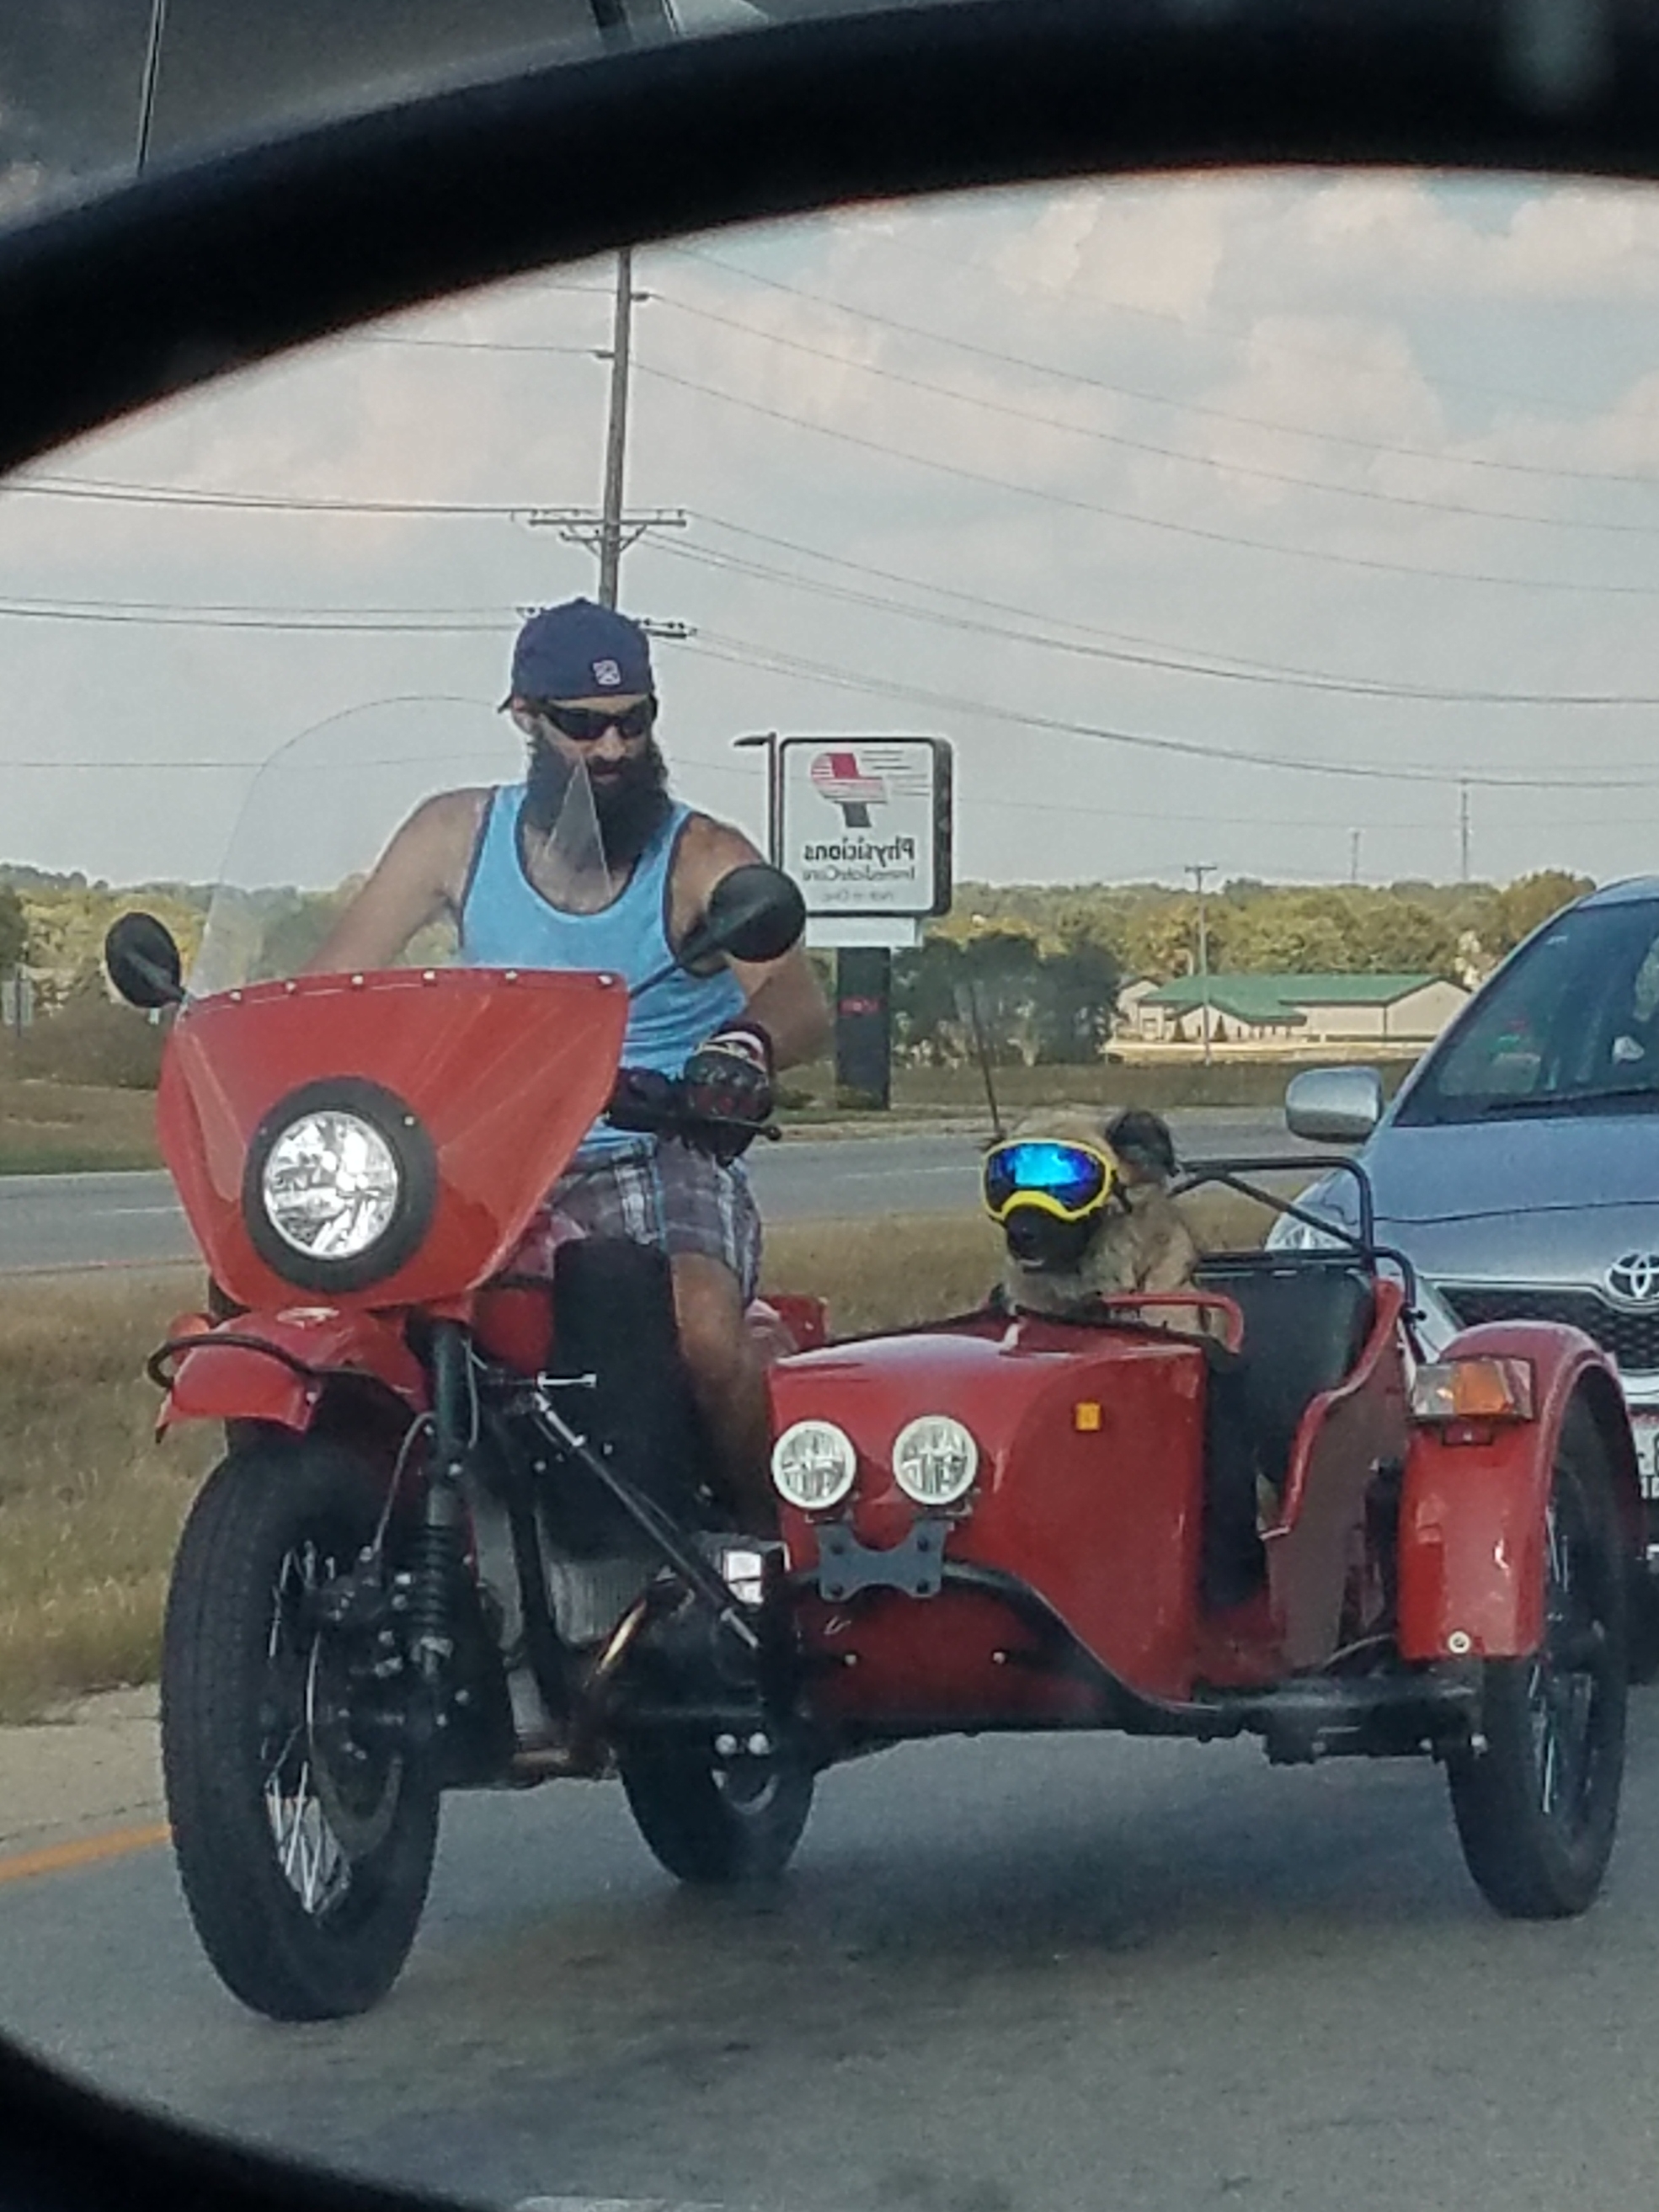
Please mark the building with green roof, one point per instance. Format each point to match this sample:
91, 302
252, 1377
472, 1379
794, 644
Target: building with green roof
1299, 1009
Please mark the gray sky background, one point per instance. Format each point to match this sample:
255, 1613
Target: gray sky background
1052, 455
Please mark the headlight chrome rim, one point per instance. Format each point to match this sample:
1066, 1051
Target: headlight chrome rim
829, 1447
924, 1439
389, 1132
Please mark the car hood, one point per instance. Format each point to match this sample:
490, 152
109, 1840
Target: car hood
1548, 1199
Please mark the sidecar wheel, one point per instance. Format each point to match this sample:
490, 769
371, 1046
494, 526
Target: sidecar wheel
304, 1847
714, 1826
1538, 1810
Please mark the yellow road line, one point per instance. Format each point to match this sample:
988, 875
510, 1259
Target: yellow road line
86, 1851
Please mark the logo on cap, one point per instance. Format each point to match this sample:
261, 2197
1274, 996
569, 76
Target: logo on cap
607, 675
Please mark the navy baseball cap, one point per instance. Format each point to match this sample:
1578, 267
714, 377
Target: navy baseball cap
580, 651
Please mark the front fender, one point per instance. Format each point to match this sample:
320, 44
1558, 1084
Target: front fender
1472, 1515
275, 1367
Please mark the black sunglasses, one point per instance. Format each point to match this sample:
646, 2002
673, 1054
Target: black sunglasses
586, 725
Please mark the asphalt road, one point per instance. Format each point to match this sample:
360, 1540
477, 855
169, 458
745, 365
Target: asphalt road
1001, 1977
70, 1221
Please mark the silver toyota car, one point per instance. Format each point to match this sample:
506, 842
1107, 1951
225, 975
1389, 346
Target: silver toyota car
1518, 1167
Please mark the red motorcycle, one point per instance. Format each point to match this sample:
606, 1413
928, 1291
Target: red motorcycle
466, 1532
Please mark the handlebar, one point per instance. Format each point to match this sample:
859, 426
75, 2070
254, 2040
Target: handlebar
659, 1105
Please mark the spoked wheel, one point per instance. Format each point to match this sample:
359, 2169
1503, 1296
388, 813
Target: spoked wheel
712, 1822
1537, 1811
303, 1833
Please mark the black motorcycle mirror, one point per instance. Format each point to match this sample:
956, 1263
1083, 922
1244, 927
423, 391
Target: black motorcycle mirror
143, 962
754, 913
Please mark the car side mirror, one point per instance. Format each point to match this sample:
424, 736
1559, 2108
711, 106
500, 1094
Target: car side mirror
144, 961
1334, 1105
754, 913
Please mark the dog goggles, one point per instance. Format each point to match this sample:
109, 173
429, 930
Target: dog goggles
1066, 1180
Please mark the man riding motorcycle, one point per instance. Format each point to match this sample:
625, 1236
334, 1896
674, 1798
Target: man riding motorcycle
582, 693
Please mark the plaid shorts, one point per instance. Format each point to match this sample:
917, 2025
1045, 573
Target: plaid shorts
659, 1193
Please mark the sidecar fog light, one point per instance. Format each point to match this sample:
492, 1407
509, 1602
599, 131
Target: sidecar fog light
934, 1460
813, 1465
330, 1185
1473, 1390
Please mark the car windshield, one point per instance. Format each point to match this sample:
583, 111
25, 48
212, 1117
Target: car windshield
92, 92
1271, 555
1571, 1025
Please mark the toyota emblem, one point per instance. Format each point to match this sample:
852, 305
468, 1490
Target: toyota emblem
1633, 1280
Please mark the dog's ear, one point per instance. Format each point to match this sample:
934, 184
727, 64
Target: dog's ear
1142, 1141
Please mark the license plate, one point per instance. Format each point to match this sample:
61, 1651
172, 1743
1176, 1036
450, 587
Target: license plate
1645, 1430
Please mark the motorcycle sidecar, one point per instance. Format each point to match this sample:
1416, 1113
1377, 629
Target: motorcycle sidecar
1305, 1532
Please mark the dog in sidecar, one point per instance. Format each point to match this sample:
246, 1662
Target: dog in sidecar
1247, 1504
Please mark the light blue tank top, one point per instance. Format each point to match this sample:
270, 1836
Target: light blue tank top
507, 923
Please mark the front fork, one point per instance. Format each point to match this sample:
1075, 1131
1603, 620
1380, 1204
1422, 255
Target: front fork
440, 1548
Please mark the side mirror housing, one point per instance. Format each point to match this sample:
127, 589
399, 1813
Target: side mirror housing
754, 913
144, 961
1334, 1105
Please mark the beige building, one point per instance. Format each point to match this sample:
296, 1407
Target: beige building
1311, 1009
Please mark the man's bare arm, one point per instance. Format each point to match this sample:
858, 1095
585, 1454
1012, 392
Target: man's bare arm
783, 995
417, 877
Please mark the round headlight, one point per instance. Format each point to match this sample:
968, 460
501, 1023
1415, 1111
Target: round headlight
934, 1460
813, 1465
330, 1185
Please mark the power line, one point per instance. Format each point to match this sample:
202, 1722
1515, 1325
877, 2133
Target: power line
970, 264
392, 621
1272, 674
1152, 398
118, 492
745, 653
1374, 563
1123, 442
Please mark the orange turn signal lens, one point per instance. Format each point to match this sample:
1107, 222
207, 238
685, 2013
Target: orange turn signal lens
1473, 1390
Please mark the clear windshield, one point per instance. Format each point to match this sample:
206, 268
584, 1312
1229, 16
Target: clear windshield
322, 811
1571, 1025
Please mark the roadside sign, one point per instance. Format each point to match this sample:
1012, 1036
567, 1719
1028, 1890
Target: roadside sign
863, 827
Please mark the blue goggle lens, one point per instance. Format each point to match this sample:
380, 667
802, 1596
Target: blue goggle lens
1067, 1174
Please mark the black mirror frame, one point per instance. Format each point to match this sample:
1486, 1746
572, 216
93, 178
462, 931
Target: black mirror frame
206, 267
774, 925
141, 960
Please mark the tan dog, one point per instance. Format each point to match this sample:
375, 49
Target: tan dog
1141, 1243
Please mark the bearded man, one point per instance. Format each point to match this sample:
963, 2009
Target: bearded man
534, 875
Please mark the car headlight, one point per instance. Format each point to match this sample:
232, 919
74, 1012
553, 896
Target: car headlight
330, 1185
340, 1185
935, 1460
814, 1465
1327, 1197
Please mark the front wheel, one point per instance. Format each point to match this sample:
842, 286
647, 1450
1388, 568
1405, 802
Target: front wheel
304, 1835
1538, 1808
712, 1824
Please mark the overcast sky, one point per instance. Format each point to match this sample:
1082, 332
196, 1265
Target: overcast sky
1317, 472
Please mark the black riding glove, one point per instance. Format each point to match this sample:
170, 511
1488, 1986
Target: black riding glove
729, 1078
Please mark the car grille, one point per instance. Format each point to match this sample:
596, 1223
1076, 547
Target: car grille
1630, 1340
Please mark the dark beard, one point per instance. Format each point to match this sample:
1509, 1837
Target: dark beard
630, 811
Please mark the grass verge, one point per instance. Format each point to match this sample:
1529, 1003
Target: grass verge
50, 1128
91, 1504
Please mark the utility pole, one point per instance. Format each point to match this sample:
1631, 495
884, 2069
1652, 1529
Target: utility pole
1354, 856
611, 532
1463, 830
615, 439
1198, 871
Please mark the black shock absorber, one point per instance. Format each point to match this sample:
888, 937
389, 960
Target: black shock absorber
439, 1548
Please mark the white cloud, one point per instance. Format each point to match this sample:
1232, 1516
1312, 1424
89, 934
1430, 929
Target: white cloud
1225, 321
